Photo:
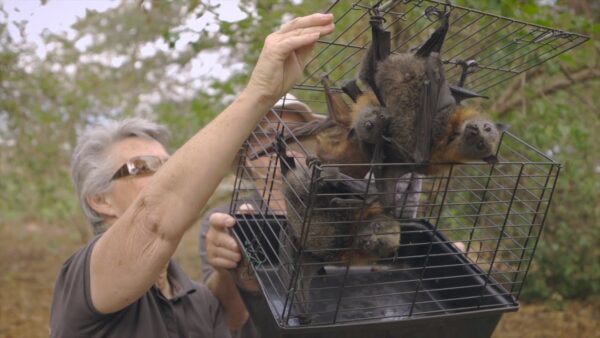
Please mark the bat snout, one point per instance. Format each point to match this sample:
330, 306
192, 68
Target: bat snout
383, 246
471, 130
367, 242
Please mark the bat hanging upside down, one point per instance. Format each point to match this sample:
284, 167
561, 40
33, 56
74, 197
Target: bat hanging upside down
346, 224
410, 114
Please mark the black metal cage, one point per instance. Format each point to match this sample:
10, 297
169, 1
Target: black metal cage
463, 240
481, 50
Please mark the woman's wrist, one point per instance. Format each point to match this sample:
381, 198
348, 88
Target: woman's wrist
259, 96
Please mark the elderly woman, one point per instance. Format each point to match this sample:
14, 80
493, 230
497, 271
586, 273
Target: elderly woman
123, 282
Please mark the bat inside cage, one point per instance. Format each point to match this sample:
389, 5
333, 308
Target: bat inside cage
381, 200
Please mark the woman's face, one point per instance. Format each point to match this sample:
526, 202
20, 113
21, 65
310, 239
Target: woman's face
125, 189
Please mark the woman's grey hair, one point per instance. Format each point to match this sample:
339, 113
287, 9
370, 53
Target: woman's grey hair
91, 169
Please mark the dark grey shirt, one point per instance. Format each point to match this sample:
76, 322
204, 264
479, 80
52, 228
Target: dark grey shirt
192, 312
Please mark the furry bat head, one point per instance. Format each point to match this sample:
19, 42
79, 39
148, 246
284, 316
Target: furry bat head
371, 124
470, 136
380, 237
476, 139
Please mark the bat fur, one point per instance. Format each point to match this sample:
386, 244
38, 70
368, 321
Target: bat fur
346, 224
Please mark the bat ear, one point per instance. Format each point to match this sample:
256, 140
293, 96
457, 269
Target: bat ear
351, 134
461, 94
502, 127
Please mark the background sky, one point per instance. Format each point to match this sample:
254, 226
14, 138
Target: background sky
57, 16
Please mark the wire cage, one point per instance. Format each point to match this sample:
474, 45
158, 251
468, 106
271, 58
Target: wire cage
450, 253
481, 50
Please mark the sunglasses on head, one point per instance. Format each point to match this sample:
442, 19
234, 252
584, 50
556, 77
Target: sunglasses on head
139, 166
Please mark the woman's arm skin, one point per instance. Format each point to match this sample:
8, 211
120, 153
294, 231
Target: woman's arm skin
129, 257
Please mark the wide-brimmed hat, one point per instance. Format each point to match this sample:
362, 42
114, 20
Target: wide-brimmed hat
295, 110
289, 110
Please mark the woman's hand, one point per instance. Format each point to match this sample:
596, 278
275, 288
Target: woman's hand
285, 54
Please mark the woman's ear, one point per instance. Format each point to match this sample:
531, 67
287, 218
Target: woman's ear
102, 205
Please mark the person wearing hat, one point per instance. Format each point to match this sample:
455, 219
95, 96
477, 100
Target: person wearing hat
226, 285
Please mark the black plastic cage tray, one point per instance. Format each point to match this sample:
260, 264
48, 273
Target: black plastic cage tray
457, 297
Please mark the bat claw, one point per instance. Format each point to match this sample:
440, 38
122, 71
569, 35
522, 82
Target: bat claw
432, 11
375, 13
312, 160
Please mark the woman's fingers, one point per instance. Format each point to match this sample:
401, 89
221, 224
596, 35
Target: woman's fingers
290, 41
321, 30
317, 19
285, 53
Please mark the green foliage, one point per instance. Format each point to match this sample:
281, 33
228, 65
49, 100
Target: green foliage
564, 125
567, 263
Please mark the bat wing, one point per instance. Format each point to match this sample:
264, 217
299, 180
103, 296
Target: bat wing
308, 128
288, 163
424, 118
378, 51
436, 40
435, 95
386, 183
351, 89
353, 189
337, 108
